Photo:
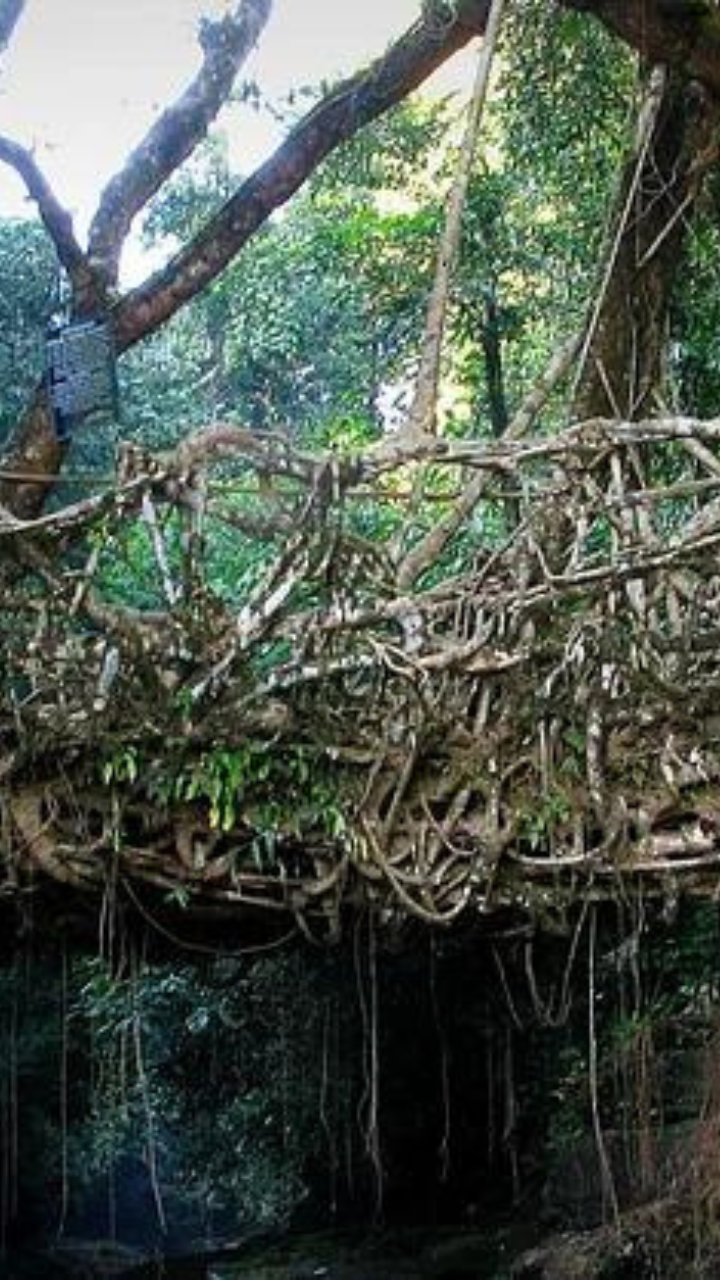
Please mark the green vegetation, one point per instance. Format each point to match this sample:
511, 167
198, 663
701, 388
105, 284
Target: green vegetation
254, 1086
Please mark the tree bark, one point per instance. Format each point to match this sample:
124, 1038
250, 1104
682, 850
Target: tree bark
491, 343
31, 466
175, 135
10, 13
624, 356
683, 34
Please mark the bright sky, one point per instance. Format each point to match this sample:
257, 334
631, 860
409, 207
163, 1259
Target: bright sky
83, 78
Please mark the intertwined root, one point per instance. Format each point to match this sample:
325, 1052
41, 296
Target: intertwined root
439, 676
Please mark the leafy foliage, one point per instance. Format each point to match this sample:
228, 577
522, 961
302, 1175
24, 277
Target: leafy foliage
29, 296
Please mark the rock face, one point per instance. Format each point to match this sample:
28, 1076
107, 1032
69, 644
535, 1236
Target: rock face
662, 1219
657, 1241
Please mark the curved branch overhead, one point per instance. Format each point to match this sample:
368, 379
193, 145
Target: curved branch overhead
56, 219
335, 119
175, 135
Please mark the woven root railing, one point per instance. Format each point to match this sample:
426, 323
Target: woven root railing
437, 678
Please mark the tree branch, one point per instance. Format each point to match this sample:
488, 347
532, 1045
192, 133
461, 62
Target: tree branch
335, 119
10, 13
174, 136
681, 34
34, 448
56, 218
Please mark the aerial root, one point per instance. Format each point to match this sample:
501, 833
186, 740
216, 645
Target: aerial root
527, 715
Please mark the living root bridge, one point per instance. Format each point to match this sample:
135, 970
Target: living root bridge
436, 679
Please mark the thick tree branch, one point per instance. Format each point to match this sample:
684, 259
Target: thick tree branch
682, 33
35, 449
338, 117
175, 135
57, 220
10, 13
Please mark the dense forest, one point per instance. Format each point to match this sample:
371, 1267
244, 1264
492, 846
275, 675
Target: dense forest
359, 729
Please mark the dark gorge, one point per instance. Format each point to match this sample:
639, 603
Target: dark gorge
484, 1103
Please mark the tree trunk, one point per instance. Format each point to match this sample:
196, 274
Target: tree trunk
30, 469
682, 34
491, 342
622, 370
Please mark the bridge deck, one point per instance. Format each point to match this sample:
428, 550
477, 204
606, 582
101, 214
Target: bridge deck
439, 678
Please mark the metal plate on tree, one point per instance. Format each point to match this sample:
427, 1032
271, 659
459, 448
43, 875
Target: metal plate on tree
81, 371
